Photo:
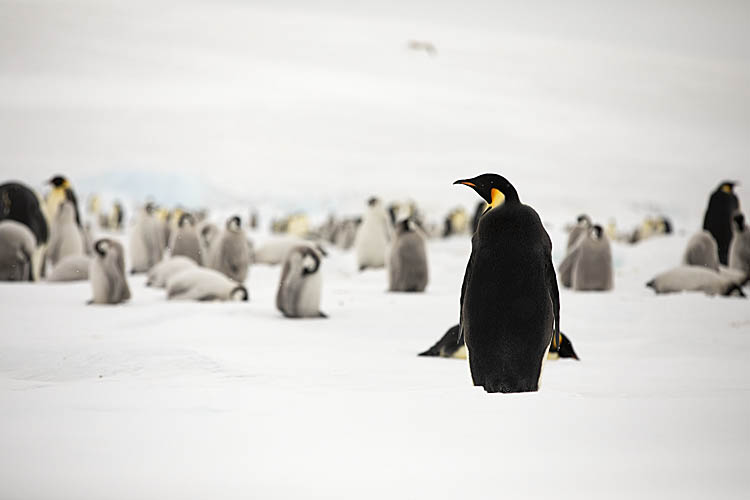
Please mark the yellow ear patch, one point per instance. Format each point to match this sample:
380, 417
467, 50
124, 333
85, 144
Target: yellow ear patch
498, 198
726, 188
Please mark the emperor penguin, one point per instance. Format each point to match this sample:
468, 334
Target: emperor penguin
231, 252
61, 191
208, 234
718, 219
739, 249
451, 346
275, 250
203, 284
66, 237
17, 244
694, 279
185, 239
702, 250
583, 225
107, 273
300, 285
407, 266
589, 263
510, 303
159, 275
20, 203
373, 236
146, 241
71, 268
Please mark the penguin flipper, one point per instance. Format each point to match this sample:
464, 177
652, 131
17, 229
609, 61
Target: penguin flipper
467, 278
555, 296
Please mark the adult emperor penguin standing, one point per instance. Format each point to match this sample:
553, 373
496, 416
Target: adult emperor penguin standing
61, 191
66, 237
373, 236
510, 303
718, 219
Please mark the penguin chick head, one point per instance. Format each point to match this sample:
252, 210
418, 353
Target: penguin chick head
239, 294
186, 218
584, 219
101, 247
373, 201
59, 181
494, 189
234, 223
597, 231
739, 221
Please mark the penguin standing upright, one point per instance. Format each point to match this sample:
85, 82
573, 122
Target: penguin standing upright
718, 219
231, 252
510, 304
107, 273
702, 250
373, 236
739, 249
589, 263
300, 285
583, 225
66, 236
61, 191
146, 241
17, 244
407, 266
185, 239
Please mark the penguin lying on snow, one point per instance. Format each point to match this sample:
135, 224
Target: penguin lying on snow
450, 346
160, 274
588, 265
230, 252
407, 269
300, 285
202, 284
275, 251
718, 219
702, 250
107, 273
694, 279
17, 245
739, 249
71, 268
510, 303
373, 236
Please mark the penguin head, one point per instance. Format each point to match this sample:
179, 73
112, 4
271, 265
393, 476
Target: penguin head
374, 201
405, 226
310, 261
494, 189
101, 247
566, 348
597, 231
234, 223
728, 186
150, 207
185, 219
584, 220
59, 182
739, 221
239, 294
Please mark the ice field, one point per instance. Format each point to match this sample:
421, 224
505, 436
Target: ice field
619, 111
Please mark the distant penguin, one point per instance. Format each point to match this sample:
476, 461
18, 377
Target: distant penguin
694, 279
300, 285
231, 252
107, 273
510, 304
61, 191
373, 236
19, 203
203, 284
71, 268
185, 239
275, 250
66, 237
451, 346
718, 219
159, 275
208, 234
589, 262
17, 244
702, 250
146, 241
407, 266
739, 249
583, 225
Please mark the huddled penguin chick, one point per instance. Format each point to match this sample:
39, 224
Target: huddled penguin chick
300, 285
275, 251
66, 238
146, 241
739, 249
589, 262
373, 236
71, 268
407, 269
510, 303
159, 275
694, 279
718, 219
208, 234
21, 204
702, 250
107, 273
203, 284
451, 346
231, 252
185, 239
17, 244
582, 227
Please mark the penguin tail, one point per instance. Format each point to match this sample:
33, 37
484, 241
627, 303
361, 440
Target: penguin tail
432, 351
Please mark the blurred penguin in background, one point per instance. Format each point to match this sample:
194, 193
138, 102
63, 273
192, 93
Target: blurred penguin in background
71, 268
20, 203
739, 249
583, 226
300, 284
373, 236
702, 250
589, 263
694, 279
146, 240
107, 273
185, 239
17, 245
407, 266
208, 234
159, 275
203, 284
66, 236
718, 219
230, 254
455, 222
61, 191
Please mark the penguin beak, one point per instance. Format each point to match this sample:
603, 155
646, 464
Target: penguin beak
466, 183
469, 182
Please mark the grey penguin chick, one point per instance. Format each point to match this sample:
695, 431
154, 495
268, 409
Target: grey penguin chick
203, 284
407, 269
694, 279
146, 241
17, 245
168, 267
71, 268
739, 248
65, 238
583, 225
373, 236
702, 250
107, 273
230, 254
589, 263
208, 234
185, 239
300, 285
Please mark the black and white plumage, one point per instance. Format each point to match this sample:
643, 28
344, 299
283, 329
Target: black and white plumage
407, 264
107, 273
230, 252
722, 206
694, 279
203, 284
300, 285
739, 249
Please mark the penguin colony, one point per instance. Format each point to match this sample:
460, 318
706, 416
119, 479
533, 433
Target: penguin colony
509, 306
